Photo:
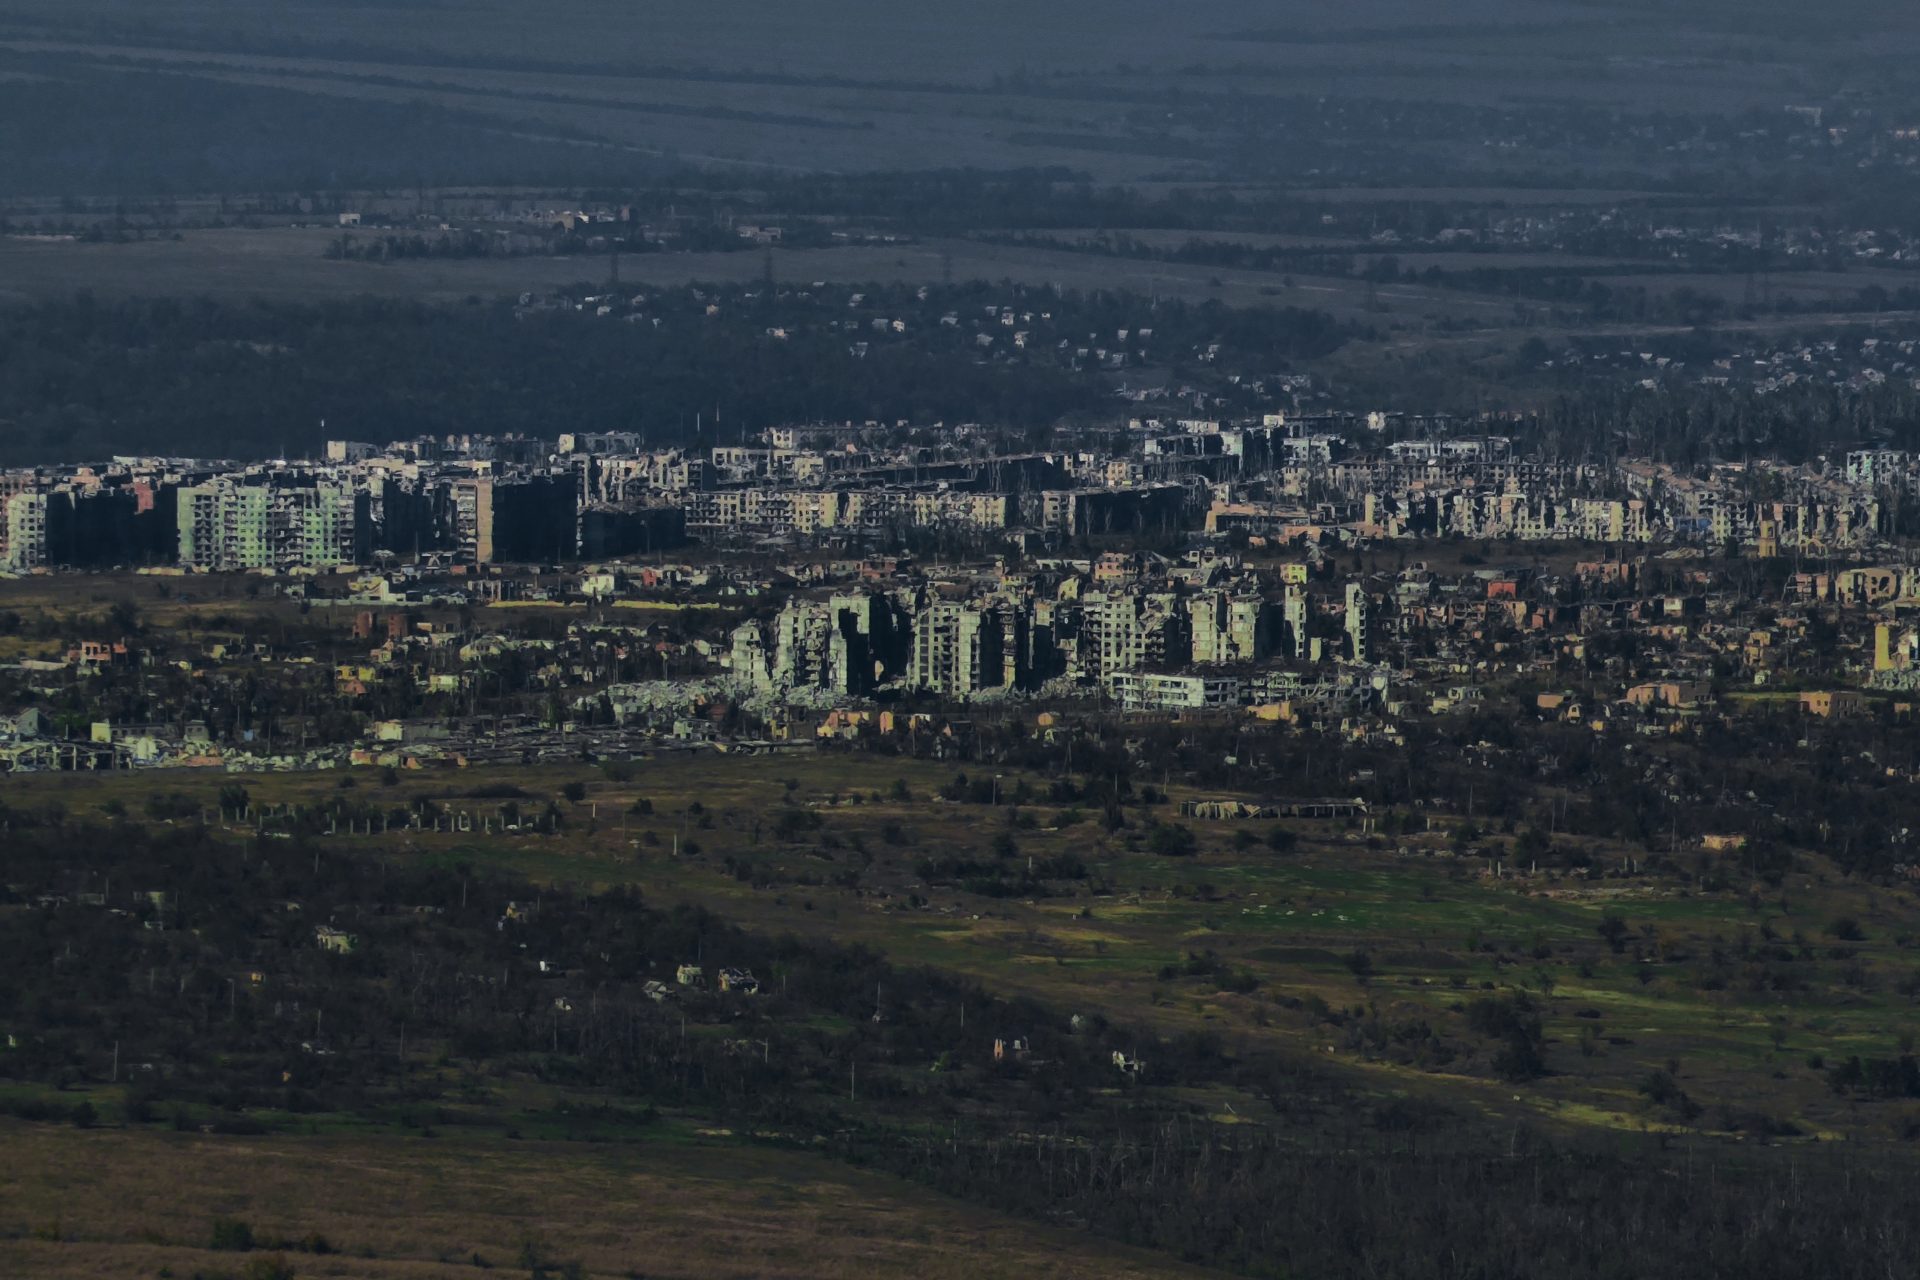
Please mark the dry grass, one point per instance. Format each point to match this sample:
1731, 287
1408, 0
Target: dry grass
130, 1203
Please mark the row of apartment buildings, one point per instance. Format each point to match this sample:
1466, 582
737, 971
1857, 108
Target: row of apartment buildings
1018, 633
479, 500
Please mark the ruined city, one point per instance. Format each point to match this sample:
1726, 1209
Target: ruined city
833, 581
1121, 640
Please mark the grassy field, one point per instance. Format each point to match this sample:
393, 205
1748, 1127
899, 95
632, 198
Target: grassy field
1162, 239
1484, 52
289, 263
858, 85
1347, 938
143, 1203
1411, 321
208, 608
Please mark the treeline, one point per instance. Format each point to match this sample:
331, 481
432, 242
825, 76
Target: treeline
402, 248
1691, 423
88, 379
1509, 774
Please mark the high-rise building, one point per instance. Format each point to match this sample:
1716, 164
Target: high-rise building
1228, 628
225, 526
1358, 646
26, 524
473, 520
13, 484
869, 644
849, 645
1124, 630
323, 526
534, 520
1294, 613
956, 649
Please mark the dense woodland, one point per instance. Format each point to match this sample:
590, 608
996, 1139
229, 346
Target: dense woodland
213, 380
91, 378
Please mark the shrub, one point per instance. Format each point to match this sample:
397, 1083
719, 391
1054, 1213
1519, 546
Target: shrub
162, 806
1663, 1091
231, 1234
1514, 1021
794, 823
1171, 840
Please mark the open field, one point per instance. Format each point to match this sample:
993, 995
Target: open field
133, 1203
858, 85
1433, 928
1476, 52
701, 120
288, 264
1463, 259
200, 608
1406, 299
1498, 197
